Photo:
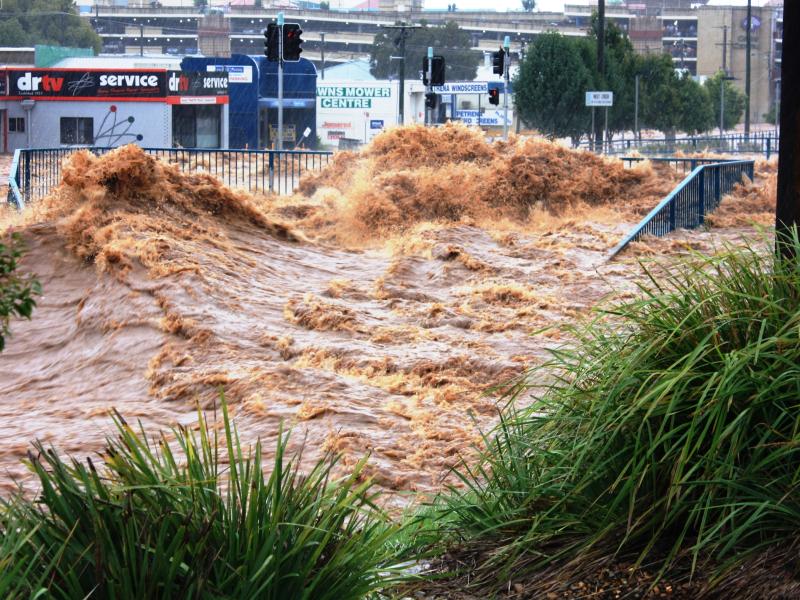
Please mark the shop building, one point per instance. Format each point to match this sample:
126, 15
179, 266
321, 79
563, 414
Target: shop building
62, 107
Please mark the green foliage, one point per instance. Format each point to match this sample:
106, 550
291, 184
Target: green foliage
558, 70
16, 292
528, 5
771, 115
190, 515
53, 22
448, 40
697, 114
669, 429
734, 100
549, 90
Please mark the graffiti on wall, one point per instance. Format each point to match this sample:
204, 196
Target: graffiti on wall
114, 130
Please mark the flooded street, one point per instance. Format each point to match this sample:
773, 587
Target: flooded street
368, 323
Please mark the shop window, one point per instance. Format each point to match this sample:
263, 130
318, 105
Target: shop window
77, 130
16, 125
196, 126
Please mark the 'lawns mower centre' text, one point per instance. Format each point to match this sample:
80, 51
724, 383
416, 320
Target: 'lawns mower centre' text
350, 97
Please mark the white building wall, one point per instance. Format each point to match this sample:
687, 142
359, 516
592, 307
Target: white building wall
114, 123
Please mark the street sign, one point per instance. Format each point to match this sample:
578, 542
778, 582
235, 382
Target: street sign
376, 124
462, 87
599, 98
493, 118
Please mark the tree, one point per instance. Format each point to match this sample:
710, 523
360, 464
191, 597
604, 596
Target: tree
54, 22
16, 292
697, 113
549, 90
449, 40
528, 5
734, 100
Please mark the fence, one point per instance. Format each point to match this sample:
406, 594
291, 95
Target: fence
35, 172
687, 205
679, 163
764, 143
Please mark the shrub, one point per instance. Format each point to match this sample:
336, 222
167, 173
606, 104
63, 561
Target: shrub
165, 518
16, 292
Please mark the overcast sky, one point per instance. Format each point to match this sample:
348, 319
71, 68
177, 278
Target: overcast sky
544, 5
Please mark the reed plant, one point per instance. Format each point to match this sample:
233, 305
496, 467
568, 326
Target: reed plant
668, 431
190, 514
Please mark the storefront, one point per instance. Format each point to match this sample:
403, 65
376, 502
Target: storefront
50, 108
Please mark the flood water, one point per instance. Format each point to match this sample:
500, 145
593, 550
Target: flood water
163, 290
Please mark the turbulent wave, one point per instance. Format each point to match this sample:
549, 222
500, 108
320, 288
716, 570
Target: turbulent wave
374, 310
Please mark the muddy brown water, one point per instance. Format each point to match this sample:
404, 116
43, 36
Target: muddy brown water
389, 351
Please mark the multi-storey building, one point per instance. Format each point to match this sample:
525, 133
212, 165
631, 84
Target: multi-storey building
701, 39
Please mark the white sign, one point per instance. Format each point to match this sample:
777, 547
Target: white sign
599, 98
236, 73
487, 119
198, 99
462, 87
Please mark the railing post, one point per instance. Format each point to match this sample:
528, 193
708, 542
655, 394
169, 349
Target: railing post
701, 196
769, 139
672, 219
26, 174
271, 171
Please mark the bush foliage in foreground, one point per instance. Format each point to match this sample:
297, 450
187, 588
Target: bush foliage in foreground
155, 522
16, 291
671, 430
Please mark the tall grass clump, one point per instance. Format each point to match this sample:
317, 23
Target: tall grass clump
192, 515
668, 431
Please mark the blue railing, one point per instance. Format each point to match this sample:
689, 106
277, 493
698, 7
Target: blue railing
764, 143
36, 172
687, 205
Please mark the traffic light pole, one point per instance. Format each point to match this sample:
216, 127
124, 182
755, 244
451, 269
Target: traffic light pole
280, 82
429, 87
507, 57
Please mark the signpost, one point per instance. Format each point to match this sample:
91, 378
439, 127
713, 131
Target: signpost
602, 99
507, 50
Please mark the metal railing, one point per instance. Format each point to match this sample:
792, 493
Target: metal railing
687, 205
765, 143
36, 172
679, 163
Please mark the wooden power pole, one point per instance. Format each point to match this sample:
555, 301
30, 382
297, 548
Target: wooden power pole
787, 213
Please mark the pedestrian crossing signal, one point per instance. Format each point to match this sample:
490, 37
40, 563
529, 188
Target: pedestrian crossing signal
494, 96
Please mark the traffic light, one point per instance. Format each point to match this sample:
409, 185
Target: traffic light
292, 42
494, 96
271, 39
437, 71
430, 100
498, 61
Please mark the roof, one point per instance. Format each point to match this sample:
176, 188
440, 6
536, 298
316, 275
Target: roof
355, 70
122, 61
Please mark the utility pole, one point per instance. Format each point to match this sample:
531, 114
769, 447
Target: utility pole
141, 39
747, 70
280, 81
787, 210
322, 52
601, 64
637, 134
507, 50
725, 49
400, 42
